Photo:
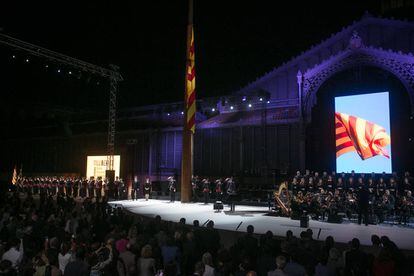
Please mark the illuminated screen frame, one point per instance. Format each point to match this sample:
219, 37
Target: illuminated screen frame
96, 165
363, 119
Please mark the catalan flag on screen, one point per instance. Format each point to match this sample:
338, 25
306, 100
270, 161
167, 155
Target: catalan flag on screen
190, 102
357, 134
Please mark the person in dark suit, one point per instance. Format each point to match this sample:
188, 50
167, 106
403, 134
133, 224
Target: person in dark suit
172, 188
135, 189
363, 204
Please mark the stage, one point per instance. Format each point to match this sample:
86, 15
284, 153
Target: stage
403, 236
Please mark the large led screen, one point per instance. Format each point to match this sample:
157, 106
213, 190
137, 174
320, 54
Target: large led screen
96, 165
363, 133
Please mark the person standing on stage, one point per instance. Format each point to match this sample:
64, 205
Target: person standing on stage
91, 186
231, 192
116, 188
147, 188
363, 205
219, 189
172, 188
135, 189
194, 185
206, 190
98, 188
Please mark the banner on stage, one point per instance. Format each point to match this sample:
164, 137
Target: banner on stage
96, 165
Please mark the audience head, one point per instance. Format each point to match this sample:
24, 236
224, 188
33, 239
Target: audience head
355, 243
280, 261
250, 229
146, 251
207, 259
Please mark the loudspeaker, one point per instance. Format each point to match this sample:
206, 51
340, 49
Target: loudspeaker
304, 221
110, 175
335, 218
218, 205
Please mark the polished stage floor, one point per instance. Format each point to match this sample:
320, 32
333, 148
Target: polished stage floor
245, 215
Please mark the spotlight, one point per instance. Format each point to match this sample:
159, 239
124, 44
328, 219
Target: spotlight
231, 107
13, 56
410, 139
261, 99
46, 66
58, 70
411, 117
244, 98
70, 72
213, 109
168, 114
250, 105
268, 102
182, 112
27, 60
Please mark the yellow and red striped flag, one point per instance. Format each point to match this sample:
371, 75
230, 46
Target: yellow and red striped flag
14, 177
357, 134
190, 96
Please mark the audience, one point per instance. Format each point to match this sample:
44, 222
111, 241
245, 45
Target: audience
63, 236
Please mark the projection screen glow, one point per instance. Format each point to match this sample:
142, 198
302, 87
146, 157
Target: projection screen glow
96, 165
363, 133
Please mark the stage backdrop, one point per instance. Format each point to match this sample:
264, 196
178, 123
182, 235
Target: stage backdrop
363, 133
96, 165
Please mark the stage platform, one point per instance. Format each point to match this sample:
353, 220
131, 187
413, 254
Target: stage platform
403, 236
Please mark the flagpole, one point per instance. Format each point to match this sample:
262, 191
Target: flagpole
187, 151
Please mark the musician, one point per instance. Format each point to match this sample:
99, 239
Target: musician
330, 185
98, 188
405, 207
406, 185
172, 188
61, 186
135, 189
340, 184
302, 186
381, 187
116, 188
206, 190
68, 187
311, 186
83, 188
294, 185
91, 187
76, 185
147, 188
392, 187
350, 185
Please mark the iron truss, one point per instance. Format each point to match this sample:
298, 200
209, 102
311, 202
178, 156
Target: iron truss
112, 74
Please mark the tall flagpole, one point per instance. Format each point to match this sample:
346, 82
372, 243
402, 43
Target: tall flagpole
187, 151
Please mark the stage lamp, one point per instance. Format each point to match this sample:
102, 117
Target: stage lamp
58, 70
268, 102
13, 56
182, 112
261, 99
70, 72
231, 107
213, 109
168, 114
250, 105
244, 99
46, 66
27, 60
